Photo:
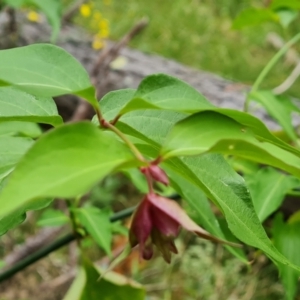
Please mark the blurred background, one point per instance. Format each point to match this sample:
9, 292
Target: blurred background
201, 34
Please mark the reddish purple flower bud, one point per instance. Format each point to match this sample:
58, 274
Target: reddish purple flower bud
156, 174
157, 221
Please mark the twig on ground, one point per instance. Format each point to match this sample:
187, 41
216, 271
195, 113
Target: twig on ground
101, 66
8, 272
109, 54
12, 23
31, 245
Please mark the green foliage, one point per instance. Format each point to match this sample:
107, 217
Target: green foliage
293, 4
211, 174
52, 218
17, 105
224, 135
286, 16
268, 188
61, 165
279, 107
87, 286
165, 122
15, 3
20, 129
280, 11
97, 224
287, 240
171, 95
19, 215
12, 149
254, 16
201, 207
43, 72
155, 92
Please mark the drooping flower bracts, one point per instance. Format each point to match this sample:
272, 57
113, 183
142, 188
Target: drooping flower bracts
157, 221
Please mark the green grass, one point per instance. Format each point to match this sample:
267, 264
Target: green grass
206, 271
198, 33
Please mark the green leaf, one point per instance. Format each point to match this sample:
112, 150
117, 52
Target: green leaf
161, 91
279, 107
52, 217
18, 216
197, 200
65, 162
164, 92
210, 173
295, 217
149, 125
16, 105
52, 9
20, 129
12, 149
15, 3
112, 102
243, 166
222, 134
97, 224
119, 228
77, 287
258, 128
287, 240
293, 4
138, 179
227, 189
157, 91
252, 17
112, 286
47, 71
286, 16
268, 188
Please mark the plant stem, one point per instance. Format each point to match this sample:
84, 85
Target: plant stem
135, 151
29, 260
99, 115
149, 181
110, 126
74, 222
269, 66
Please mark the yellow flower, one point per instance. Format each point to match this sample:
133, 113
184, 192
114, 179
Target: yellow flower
33, 16
104, 24
85, 10
104, 33
98, 43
